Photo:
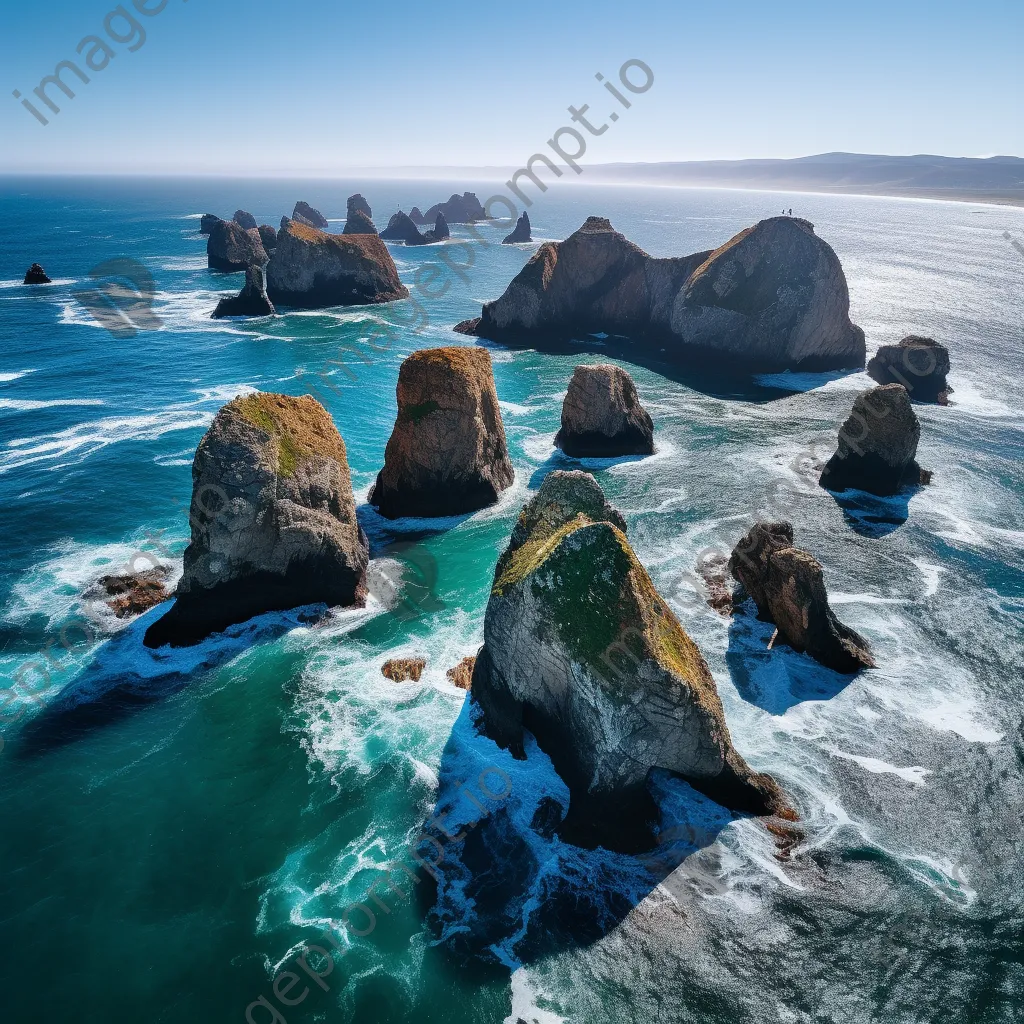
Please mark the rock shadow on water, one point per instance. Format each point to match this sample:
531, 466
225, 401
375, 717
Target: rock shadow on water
872, 516
559, 460
124, 676
509, 890
778, 678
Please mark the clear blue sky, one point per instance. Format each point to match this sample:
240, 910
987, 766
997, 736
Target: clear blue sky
253, 86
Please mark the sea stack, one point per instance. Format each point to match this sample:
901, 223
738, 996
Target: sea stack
231, 248
788, 587
245, 220
360, 219
250, 301
440, 232
206, 223
268, 236
306, 214
919, 364
877, 445
772, 298
581, 650
312, 269
401, 229
464, 209
447, 453
520, 233
602, 416
36, 275
273, 520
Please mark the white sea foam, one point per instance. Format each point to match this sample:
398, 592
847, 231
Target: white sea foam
6, 377
915, 775
30, 405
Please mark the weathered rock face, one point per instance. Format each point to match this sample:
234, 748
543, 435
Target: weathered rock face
594, 281
306, 214
462, 674
360, 219
602, 416
447, 454
772, 298
462, 209
36, 275
788, 588
402, 670
273, 520
312, 269
440, 232
268, 236
580, 649
133, 593
520, 233
401, 229
877, 445
358, 203
250, 301
245, 220
206, 223
231, 248
919, 364
416, 216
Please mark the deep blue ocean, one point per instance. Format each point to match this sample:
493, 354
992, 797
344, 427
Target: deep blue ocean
173, 826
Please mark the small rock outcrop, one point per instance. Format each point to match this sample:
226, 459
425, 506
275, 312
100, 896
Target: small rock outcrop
520, 233
447, 453
788, 587
462, 674
440, 231
312, 269
360, 219
306, 214
36, 275
919, 364
877, 449
401, 229
268, 236
602, 416
231, 248
772, 298
245, 220
206, 223
464, 209
581, 650
133, 593
403, 670
273, 520
250, 301
714, 571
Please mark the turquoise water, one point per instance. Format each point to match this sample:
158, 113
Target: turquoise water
176, 825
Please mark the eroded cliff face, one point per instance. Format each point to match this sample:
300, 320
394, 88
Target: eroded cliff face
312, 269
919, 364
877, 450
273, 520
231, 247
447, 454
602, 416
580, 649
774, 297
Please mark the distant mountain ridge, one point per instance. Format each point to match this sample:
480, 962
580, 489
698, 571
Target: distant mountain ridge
997, 179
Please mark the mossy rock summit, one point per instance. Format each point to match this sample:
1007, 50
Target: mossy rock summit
273, 520
581, 650
447, 454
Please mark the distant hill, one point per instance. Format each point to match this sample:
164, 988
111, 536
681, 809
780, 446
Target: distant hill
998, 179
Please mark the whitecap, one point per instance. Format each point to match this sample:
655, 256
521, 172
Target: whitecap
30, 405
915, 775
6, 377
